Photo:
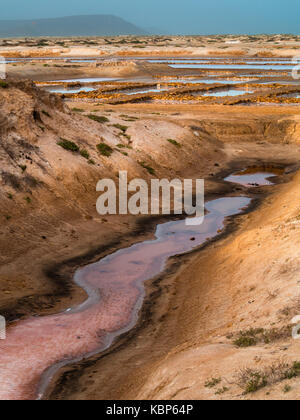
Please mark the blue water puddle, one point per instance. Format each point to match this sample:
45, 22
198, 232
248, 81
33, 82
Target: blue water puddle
251, 179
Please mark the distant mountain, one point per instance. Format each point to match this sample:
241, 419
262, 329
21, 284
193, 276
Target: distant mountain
95, 25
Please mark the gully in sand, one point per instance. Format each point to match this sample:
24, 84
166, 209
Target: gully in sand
36, 348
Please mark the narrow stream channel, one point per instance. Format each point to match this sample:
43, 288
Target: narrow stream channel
36, 348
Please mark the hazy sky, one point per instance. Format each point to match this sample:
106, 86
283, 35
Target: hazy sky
174, 16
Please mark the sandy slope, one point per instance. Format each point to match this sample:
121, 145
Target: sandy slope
48, 206
241, 283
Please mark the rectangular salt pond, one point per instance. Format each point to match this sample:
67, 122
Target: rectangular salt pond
66, 90
291, 95
207, 81
87, 80
230, 92
231, 66
143, 91
226, 60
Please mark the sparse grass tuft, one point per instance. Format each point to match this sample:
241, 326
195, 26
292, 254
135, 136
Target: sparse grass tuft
128, 118
251, 380
104, 149
84, 153
77, 110
275, 334
23, 167
293, 371
221, 391
148, 168
3, 84
126, 136
254, 336
244, 342
255, 383
68, 145
174, 142
123, 146
46, 113
99, 119
248, 338
121, 127
211, 383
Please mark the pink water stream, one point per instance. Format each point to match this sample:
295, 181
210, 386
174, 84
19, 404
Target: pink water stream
37, 347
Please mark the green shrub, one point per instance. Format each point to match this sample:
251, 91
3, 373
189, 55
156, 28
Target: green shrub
257, 382
251, 380
126, 136
3, 84
23, 167
245, 341
174, 142
222, 390
211, 383
68, 145
104, 149
253, 336
84, 153
148, 168
121, 127
124, 146
99, 119
293, 372
128, 118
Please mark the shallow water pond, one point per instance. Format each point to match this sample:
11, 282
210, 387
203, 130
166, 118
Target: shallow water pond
229, 92
70, 90
254, 177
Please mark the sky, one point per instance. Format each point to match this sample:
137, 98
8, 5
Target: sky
174, 16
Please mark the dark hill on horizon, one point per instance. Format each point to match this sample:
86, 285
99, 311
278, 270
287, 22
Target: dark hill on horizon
94, 25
